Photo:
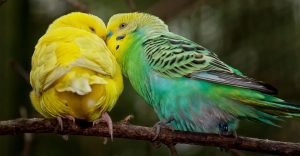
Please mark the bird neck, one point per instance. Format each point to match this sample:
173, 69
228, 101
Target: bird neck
135, 67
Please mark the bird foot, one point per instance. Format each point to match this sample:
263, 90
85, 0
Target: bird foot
106, 118
162, 123
60, 121
228, 134
127, 119
71, 118
224, 130
61, 125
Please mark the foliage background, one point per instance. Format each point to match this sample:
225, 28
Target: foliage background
261, 38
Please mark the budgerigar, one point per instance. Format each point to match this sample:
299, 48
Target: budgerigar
185, 83
74, 75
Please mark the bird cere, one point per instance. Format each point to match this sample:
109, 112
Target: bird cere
78, 63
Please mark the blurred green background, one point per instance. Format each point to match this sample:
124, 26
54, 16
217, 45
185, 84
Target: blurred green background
261, 38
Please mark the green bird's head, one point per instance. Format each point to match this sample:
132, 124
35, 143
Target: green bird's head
122, 29
87, 22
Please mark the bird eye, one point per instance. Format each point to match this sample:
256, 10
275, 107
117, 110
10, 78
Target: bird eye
122, 25
92, 29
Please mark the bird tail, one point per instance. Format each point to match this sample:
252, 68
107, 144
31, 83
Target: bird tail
52, 104
35, 100
283, 109
270, 109
48, 104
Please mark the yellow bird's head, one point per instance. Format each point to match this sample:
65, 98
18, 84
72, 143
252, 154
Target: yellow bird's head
87, 22
121, 27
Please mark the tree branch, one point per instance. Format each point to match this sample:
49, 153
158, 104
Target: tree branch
39, 125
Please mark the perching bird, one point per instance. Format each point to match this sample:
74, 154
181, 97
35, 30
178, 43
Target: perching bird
187, 85
74, 75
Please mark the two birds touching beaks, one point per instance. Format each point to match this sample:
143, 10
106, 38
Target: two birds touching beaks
77, 71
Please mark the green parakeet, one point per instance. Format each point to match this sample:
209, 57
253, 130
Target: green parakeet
186, 83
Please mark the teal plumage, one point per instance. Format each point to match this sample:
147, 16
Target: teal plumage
186, 82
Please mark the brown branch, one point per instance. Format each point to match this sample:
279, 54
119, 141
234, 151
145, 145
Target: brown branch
39, 125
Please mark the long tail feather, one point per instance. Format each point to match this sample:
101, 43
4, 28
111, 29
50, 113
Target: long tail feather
270, 109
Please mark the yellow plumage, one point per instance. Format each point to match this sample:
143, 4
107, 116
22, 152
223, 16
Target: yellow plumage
73, 73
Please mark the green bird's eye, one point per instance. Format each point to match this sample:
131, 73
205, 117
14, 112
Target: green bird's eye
122, 25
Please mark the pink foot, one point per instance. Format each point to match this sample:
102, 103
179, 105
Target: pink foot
105, 117
162, 123
69, 117
60, 121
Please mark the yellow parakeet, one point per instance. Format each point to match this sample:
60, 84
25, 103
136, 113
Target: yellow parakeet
73, 74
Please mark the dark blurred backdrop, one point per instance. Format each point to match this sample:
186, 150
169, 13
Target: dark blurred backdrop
261, 38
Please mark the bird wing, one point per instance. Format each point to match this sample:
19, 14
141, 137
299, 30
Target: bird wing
174, 56
54, 57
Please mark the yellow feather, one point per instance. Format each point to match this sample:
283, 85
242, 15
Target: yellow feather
73, 72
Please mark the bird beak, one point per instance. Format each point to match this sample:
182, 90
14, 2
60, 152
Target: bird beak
109, 34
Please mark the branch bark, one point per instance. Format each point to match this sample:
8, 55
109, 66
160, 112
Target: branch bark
40, 125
